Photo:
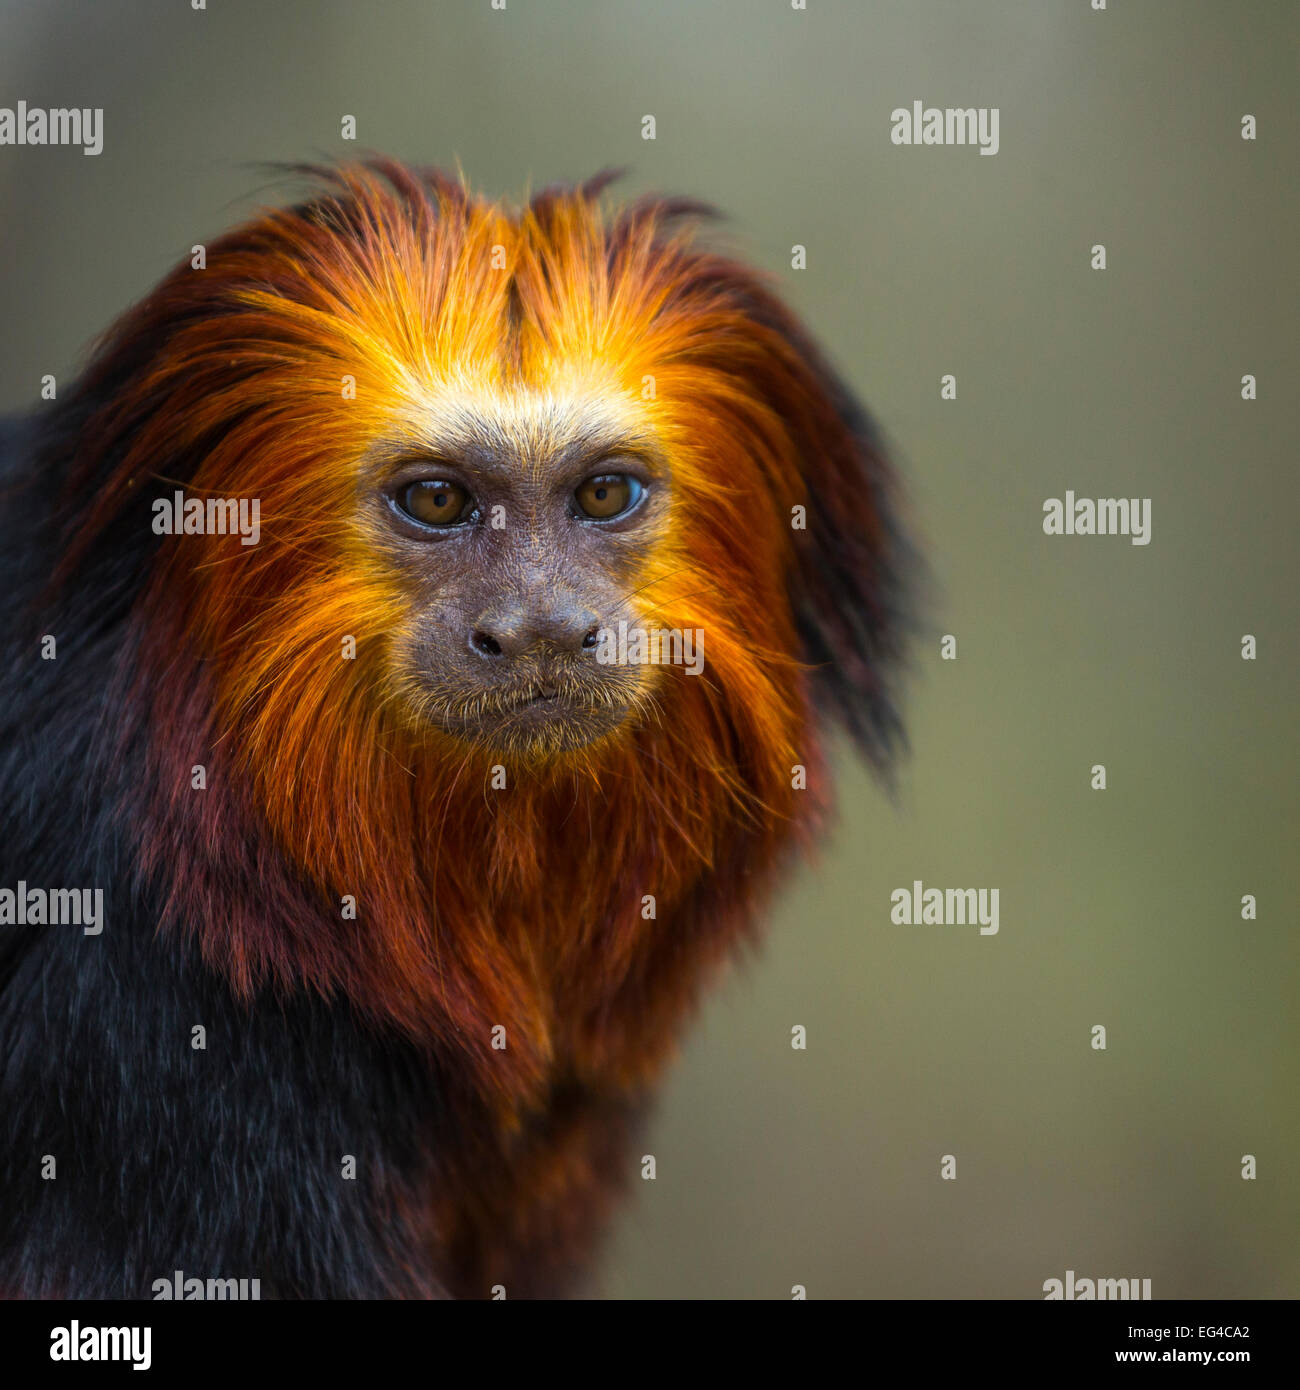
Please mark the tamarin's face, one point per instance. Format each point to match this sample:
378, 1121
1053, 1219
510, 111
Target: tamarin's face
482, 439
521, 523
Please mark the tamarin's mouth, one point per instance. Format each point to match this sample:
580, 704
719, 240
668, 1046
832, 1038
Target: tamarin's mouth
535, 696
538, 719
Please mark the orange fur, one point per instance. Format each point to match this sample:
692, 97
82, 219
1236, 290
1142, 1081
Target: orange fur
476, 907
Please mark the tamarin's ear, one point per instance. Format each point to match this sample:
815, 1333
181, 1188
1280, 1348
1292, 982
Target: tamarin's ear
854, 567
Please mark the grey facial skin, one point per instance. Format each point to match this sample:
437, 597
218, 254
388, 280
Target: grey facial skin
506, 599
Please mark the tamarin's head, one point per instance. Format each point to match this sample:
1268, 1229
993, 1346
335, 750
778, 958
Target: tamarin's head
481, 440
489, 447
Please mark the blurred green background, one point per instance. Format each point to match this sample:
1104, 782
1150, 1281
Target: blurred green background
1122, 907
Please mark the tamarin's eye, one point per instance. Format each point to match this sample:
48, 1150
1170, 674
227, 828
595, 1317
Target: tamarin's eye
609, 495
436, 503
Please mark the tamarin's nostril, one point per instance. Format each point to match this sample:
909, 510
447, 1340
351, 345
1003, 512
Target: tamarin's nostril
484, 643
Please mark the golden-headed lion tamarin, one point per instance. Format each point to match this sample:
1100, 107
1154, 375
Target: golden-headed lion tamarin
423, 804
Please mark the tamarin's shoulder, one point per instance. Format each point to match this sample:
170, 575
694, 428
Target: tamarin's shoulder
60, 643
25, 512
150, 1119
281, 1139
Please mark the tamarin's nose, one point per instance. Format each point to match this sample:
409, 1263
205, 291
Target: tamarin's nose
513, 629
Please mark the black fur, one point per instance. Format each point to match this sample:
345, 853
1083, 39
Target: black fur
155, 1143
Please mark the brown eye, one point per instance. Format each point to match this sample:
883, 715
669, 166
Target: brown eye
435, 503
609, 495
